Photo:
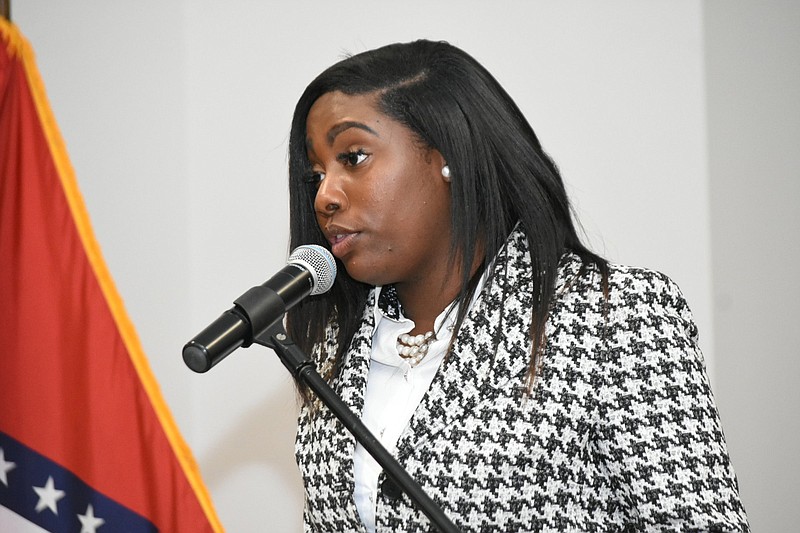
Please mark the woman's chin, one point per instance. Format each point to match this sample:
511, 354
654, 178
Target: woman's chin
368, 273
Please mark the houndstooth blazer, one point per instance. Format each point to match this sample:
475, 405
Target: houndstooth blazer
620, 432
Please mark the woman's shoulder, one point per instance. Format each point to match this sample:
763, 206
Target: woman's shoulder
640, 280
628, 296
636, 320
644, 292
621, 282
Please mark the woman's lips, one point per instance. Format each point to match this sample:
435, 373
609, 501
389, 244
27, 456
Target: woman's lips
341, 243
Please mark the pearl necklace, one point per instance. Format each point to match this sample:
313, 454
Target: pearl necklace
414, 348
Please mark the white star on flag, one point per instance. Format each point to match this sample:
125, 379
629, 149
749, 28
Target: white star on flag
48, 496
89, 521
5, 467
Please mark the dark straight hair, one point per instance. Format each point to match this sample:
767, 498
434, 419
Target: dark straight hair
501, 177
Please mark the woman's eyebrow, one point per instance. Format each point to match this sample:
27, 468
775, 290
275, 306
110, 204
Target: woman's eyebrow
344, 126
339, 128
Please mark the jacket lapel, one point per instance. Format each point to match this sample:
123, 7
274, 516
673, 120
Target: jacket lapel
352, 380
491, 349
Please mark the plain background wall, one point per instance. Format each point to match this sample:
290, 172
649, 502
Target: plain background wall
753, 73
176, 115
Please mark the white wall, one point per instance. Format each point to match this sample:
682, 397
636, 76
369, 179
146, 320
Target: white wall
753, 76
176, 115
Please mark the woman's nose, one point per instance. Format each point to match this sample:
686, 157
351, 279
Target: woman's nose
330, 196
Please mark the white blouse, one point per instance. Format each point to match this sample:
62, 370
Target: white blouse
394, 391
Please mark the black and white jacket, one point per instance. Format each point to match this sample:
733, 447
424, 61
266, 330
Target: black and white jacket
620, 433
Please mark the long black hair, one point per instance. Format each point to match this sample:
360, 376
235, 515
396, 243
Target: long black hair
501, 177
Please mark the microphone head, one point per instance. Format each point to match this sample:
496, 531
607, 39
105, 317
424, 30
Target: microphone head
320, 264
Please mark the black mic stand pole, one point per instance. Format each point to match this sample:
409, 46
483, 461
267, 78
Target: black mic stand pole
304, 370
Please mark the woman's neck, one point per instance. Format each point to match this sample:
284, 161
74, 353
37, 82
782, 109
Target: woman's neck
424, 300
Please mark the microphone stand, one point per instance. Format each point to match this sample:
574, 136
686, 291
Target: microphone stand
304, 370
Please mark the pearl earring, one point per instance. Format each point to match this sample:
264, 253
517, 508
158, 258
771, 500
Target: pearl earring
446, 171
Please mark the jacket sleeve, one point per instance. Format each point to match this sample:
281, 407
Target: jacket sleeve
659, 441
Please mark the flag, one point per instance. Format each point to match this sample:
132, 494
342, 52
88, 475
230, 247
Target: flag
86, 441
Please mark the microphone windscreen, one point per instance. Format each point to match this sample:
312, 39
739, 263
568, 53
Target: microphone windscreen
319, 262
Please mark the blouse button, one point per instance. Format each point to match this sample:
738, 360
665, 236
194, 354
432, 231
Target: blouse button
391, 490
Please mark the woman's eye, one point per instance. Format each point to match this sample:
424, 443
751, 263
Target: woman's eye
315, 178
353, 158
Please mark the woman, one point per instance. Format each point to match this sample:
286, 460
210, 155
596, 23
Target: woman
523, 381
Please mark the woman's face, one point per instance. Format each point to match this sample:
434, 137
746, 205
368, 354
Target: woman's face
382, 201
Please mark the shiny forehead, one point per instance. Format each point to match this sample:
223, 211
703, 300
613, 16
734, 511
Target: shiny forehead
337, 100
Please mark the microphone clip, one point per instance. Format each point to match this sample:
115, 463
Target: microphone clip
258, 305
292, 357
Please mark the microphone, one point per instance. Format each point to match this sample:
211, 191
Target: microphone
309, 270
